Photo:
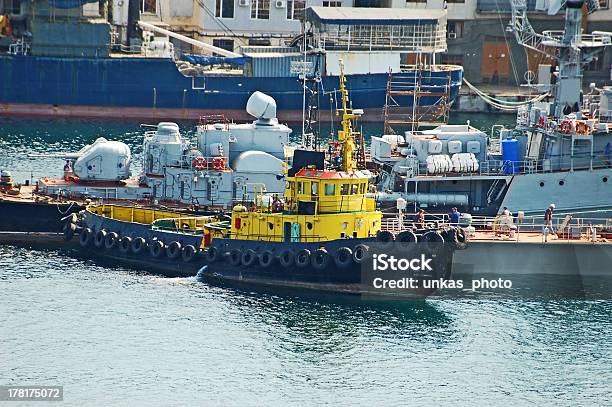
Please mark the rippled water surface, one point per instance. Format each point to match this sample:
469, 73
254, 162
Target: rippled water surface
112, 336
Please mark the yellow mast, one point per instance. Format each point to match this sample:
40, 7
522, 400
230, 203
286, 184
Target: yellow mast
345, 136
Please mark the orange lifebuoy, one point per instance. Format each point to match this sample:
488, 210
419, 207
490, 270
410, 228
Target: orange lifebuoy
582, 128
218, 163
566, 127
199, 163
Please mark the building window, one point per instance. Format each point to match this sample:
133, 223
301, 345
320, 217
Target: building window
334, 3
454, 29
416, 1
224, 8
224, 43
260, 9
148, 6
13, 7
454, 1
295, 9
603, 4
451, 59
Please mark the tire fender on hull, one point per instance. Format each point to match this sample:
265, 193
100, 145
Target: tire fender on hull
343, 257
111, 240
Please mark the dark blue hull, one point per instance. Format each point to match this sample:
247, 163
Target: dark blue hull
134, 86
349, 278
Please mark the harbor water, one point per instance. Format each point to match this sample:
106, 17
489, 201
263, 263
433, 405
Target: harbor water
123, 337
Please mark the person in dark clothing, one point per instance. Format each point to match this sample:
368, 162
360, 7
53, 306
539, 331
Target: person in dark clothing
419, 219
454, 216
548, 218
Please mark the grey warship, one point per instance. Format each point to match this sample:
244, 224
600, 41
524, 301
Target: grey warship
559, 151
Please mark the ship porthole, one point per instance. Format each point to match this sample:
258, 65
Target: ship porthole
605, 179
309, 225
541, 183
270, 226
561, 182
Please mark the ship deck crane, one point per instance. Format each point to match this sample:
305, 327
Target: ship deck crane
200, 44
570, 48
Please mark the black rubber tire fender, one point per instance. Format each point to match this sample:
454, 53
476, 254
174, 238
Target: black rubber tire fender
302, 258
432, 241
125, 244
69, 230
100, 238
212, 254
248, 258
320, 259
266, 258
461, 235
156, 248
188, 253
138, 245
385, 238
343, 257
111, 240
234, 257
406, 236
286, 258
360, 253
173, 250
85, 237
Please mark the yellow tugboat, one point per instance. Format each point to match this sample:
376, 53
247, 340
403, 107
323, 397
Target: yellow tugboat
322, 235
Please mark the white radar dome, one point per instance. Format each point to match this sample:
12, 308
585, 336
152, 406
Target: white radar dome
261, 106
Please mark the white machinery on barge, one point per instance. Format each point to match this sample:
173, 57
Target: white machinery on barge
226, 164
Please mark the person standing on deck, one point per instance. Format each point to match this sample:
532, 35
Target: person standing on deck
419, 219
548, 218
454, 216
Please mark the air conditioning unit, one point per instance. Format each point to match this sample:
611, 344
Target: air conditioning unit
452, 36
279, 4
244, 3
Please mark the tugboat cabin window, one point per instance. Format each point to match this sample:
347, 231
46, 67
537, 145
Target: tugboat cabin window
260, 9
299, 187
314, 190
344, 189
148, 6
224, 9
354, 189
363, 188
330, 189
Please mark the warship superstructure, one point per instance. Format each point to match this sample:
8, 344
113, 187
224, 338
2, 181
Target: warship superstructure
560, 150
227, 163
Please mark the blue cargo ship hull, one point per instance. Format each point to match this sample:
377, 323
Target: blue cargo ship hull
136, 87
